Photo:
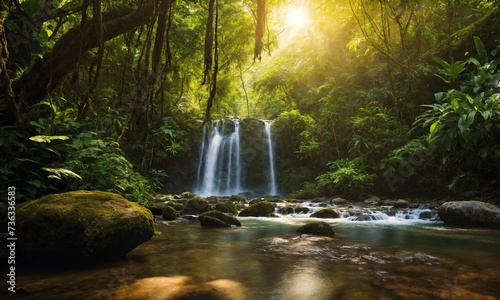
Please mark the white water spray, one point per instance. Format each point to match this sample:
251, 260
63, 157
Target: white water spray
219, 169
272, 177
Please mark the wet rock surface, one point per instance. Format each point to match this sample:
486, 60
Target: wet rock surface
340, 252
80, 225
470, 213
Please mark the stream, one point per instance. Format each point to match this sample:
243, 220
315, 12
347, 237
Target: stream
391, 257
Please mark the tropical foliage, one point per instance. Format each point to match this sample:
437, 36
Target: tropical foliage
367, 97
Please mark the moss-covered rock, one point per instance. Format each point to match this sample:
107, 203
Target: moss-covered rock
287, 210
401, 203
177, 206
196, 206
237, 198
326, 213
207, 221
226, 207
317, 228
259, 209
470, 213
220, 216
169, 213
80, 225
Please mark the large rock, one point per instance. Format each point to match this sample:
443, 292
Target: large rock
470, 213
217, 219
317, 228
196, 206
259, 209
326, 213
226, 207
80, 225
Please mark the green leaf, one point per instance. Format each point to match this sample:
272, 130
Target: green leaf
48, 138
433, 127
481, 51
61, 172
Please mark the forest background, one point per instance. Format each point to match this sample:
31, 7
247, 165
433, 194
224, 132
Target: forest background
398, 98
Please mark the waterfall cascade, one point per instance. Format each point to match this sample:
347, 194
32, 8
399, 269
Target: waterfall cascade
270, 153
233, 161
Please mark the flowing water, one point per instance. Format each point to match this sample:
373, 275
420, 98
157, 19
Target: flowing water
390, 257
219, 169
270, 153
225, 168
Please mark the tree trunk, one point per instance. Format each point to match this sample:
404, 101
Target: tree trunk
46, 72
487, 29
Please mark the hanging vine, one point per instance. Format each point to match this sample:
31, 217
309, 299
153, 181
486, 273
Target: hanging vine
213, 83
260, 29
209, 41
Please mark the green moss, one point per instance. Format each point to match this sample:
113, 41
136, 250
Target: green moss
196, 205
259, 209
207, 221
237, 198
221, 216
82, 224
169, 213
175, 205
212, 199
317, 228
226, 207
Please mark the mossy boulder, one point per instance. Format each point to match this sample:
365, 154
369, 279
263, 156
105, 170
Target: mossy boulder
80, 225
196, 206
287, 210
259, 209
206, 219
470, 213
401, 203
177, 206
326, 213
237, 198
169, 213
317, 228
226, 207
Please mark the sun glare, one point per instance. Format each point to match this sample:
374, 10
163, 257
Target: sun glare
297, 17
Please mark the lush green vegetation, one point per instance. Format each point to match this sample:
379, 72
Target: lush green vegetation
369, 97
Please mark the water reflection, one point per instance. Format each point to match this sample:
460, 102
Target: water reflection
236, 256
304, 280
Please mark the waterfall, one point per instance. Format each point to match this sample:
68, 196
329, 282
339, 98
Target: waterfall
236, 157
272, 177
219, 167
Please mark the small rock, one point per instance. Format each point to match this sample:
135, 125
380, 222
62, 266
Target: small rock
259, 209
317, 228
401, 204
326, 213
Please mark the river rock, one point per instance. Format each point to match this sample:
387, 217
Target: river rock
226, 207
80, 225
217, 219
259, 209
196, 206
401, 204
287, 210
339, 201
317, 228
326, 213
470, 213
169, 213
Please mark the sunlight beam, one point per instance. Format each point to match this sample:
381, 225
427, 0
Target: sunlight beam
297, 17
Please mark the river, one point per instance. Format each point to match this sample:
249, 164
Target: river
391, 258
